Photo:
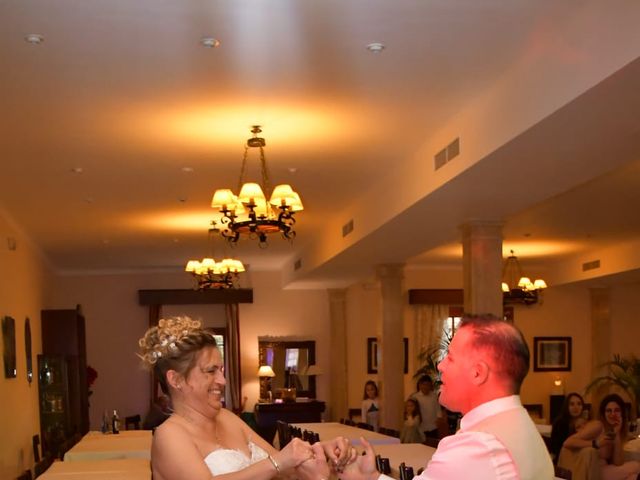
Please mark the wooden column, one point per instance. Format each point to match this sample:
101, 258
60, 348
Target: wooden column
338, 386
482, 267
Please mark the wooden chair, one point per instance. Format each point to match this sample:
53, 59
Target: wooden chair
284, 433
365, 426
432, 442
25, 476
349, 422
534, 409
41, 466
393, 433
563, 473
132, 422
355, 413
35, 441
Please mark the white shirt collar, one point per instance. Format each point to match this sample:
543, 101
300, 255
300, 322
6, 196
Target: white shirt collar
487, 409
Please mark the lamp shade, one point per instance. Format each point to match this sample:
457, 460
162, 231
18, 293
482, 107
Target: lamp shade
313, 370
266, 371
251, 193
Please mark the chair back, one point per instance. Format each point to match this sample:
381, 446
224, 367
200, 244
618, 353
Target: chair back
284, 433
563, 473
26, 475
132, 422
366, 426
35, 441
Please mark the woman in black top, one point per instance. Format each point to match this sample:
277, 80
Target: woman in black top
565, 424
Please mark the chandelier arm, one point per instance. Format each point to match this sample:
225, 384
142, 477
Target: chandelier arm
265, 174
243, 168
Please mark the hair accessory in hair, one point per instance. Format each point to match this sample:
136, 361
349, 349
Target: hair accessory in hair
164, 340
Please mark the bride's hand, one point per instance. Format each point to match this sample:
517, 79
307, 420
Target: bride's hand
293, 454
315, 468
339, 452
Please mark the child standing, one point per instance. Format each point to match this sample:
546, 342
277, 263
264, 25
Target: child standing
411, 431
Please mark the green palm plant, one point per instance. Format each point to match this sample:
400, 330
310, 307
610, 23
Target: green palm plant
430, 357
623, 372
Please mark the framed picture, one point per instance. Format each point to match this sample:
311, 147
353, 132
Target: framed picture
551, 354
373, 354
9, 347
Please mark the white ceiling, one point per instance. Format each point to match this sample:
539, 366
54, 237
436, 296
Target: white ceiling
124, 91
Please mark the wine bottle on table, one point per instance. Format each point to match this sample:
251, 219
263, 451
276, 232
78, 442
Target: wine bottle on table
115, 422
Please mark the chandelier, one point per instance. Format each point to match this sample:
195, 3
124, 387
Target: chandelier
211, 274
517, 288
249, 212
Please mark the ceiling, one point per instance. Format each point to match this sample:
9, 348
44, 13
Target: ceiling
119, 126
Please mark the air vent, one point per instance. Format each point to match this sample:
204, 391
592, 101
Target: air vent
590, 265
298, 264
447, 154
347, 228
440, 158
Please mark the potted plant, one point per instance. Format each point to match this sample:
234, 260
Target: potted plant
623, 372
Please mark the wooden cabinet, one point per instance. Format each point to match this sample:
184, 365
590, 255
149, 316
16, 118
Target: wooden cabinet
62, 380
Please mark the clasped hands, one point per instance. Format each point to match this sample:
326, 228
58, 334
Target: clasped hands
335, 457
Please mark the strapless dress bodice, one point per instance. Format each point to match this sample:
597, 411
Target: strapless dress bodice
225, 460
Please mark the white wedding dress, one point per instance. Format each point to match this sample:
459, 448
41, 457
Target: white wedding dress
225, 460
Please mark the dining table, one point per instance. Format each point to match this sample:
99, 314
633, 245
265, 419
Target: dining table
632, 449
329, 430
114, 469
101, 446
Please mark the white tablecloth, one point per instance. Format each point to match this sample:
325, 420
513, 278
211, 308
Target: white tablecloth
98, 446
119, 469
329, 430
544, 429
632, 449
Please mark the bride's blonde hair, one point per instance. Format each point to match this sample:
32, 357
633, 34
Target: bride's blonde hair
173, 345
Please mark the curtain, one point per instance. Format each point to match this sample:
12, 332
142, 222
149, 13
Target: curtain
429, 324
233, 357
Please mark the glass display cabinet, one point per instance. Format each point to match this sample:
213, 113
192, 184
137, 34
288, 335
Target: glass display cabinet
55, 415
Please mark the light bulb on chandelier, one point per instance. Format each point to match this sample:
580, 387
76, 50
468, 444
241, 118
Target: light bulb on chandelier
249, 213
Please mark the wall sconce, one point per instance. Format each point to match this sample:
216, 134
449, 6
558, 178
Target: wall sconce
265, 373
558, 387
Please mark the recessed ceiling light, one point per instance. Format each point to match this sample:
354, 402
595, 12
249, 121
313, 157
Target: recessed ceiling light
187, 169
209, 42
182, 199
34, 38
89, 200
376, 47
293, 169
77, 170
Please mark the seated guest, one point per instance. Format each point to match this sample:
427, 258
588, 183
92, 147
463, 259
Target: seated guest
566, 423
596, 449
160, 410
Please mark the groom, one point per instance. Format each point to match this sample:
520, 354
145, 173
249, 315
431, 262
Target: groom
481, 378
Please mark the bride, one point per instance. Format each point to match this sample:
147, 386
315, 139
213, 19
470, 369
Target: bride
201, 439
